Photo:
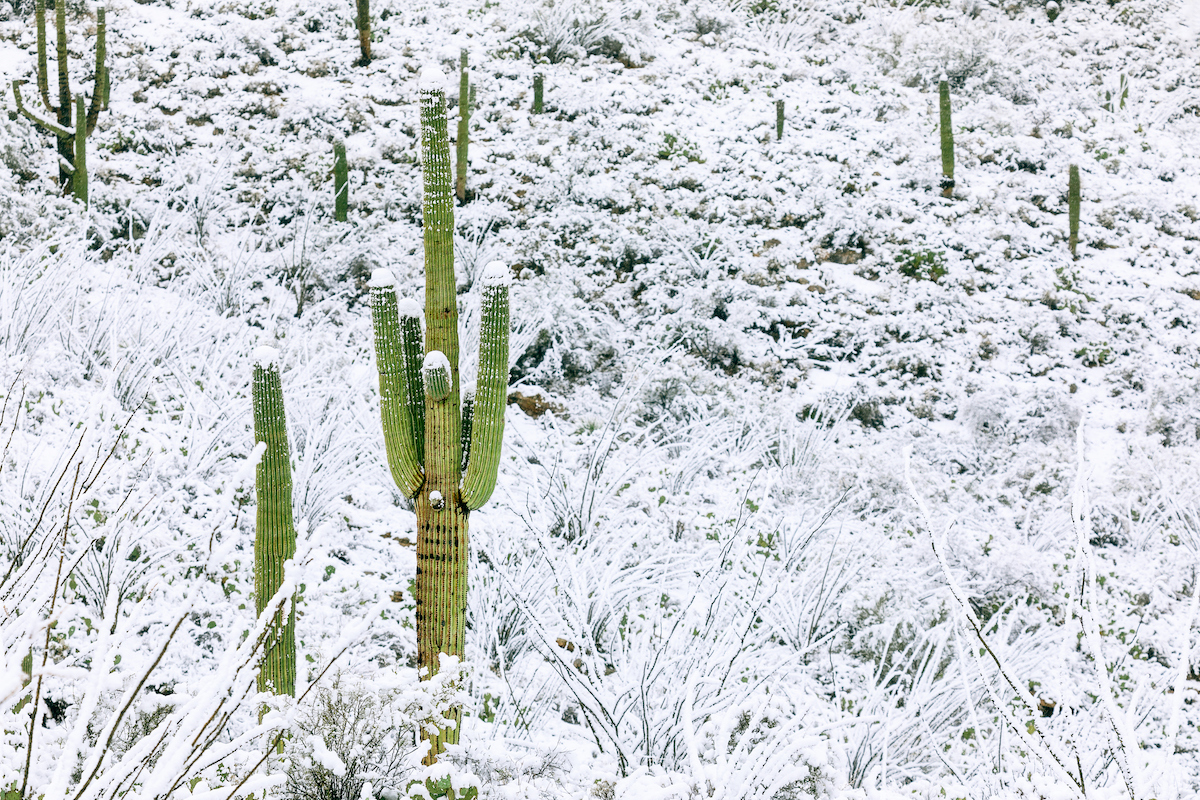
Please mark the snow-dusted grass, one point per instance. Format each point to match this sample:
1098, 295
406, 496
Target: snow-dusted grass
704, 574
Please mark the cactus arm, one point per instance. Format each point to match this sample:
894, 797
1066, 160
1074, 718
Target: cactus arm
947, 138
49, 125
441, 299
341, 182
398, 435
98, 93
487, 424
275, 535
79, 179
43, 80
464, 117
1073, 209
468, 418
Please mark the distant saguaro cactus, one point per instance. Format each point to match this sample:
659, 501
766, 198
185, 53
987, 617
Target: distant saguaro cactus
362, 21
539, 84
947, 139
778, 120
425, 420
464, 121
341, 182
1073, 209
71, 125
275, 531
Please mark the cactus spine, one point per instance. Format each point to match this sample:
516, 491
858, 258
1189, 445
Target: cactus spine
778, 120
539, 82
947, 139
464, 120
71, 125
421, 408
1073, 209
362, 21
275, 532
341, 182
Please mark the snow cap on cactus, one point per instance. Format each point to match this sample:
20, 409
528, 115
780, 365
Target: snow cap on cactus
265, 357
467, 389
431, 77
436, 370
408, 307
496, 273
381, 278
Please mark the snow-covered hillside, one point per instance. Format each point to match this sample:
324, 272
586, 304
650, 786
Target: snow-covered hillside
704, 572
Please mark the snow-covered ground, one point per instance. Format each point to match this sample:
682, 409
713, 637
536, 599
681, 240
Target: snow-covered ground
704, 572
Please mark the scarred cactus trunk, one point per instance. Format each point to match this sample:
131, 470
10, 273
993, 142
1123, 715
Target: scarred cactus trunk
423, 419
275, 532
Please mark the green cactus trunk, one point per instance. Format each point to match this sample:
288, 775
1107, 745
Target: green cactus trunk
79, 179
275, 532
1073, 209
341, 182
539, 84
426, 428
464, 119
947, 140
778, 120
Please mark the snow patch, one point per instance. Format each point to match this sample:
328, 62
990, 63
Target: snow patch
265, 357
326, 757
381, 278
432, 78
409, 307
496, 273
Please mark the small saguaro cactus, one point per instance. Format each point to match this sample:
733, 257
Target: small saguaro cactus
71, 125
429, 420
778, 120
1073, 209
464, 121
275, 530
539, 83
362, 21
341, 182
947, 138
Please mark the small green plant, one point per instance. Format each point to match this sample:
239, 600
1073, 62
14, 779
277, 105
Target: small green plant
1073, 209
341, 182
674, 146
464, 121
778, 120
275, 531
72, 123
1094, 355
362, 21
1113, 103
539, 84
947, 183
922, 265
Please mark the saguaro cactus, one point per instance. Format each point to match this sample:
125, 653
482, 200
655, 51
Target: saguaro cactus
1073, 208
947, 139
275, 531
362, 21
464, 120
539, 84
424, 418
71, 126
341, 182
778, 120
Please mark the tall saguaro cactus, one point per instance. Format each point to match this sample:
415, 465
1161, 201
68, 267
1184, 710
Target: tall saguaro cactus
464, 128
424, 419
71, 125
362, 21
275, 531
947, 138
1073, 209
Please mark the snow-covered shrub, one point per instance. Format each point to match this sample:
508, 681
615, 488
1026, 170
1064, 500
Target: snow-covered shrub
573, 29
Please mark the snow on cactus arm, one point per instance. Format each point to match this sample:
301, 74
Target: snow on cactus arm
395, 398
436, 371
487, 424
275, 532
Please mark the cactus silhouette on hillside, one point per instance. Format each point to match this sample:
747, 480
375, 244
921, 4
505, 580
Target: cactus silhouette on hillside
427, 426
341, 182
539, 85
1073, 209
71, 123
362, 21
275, 531
947, 183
